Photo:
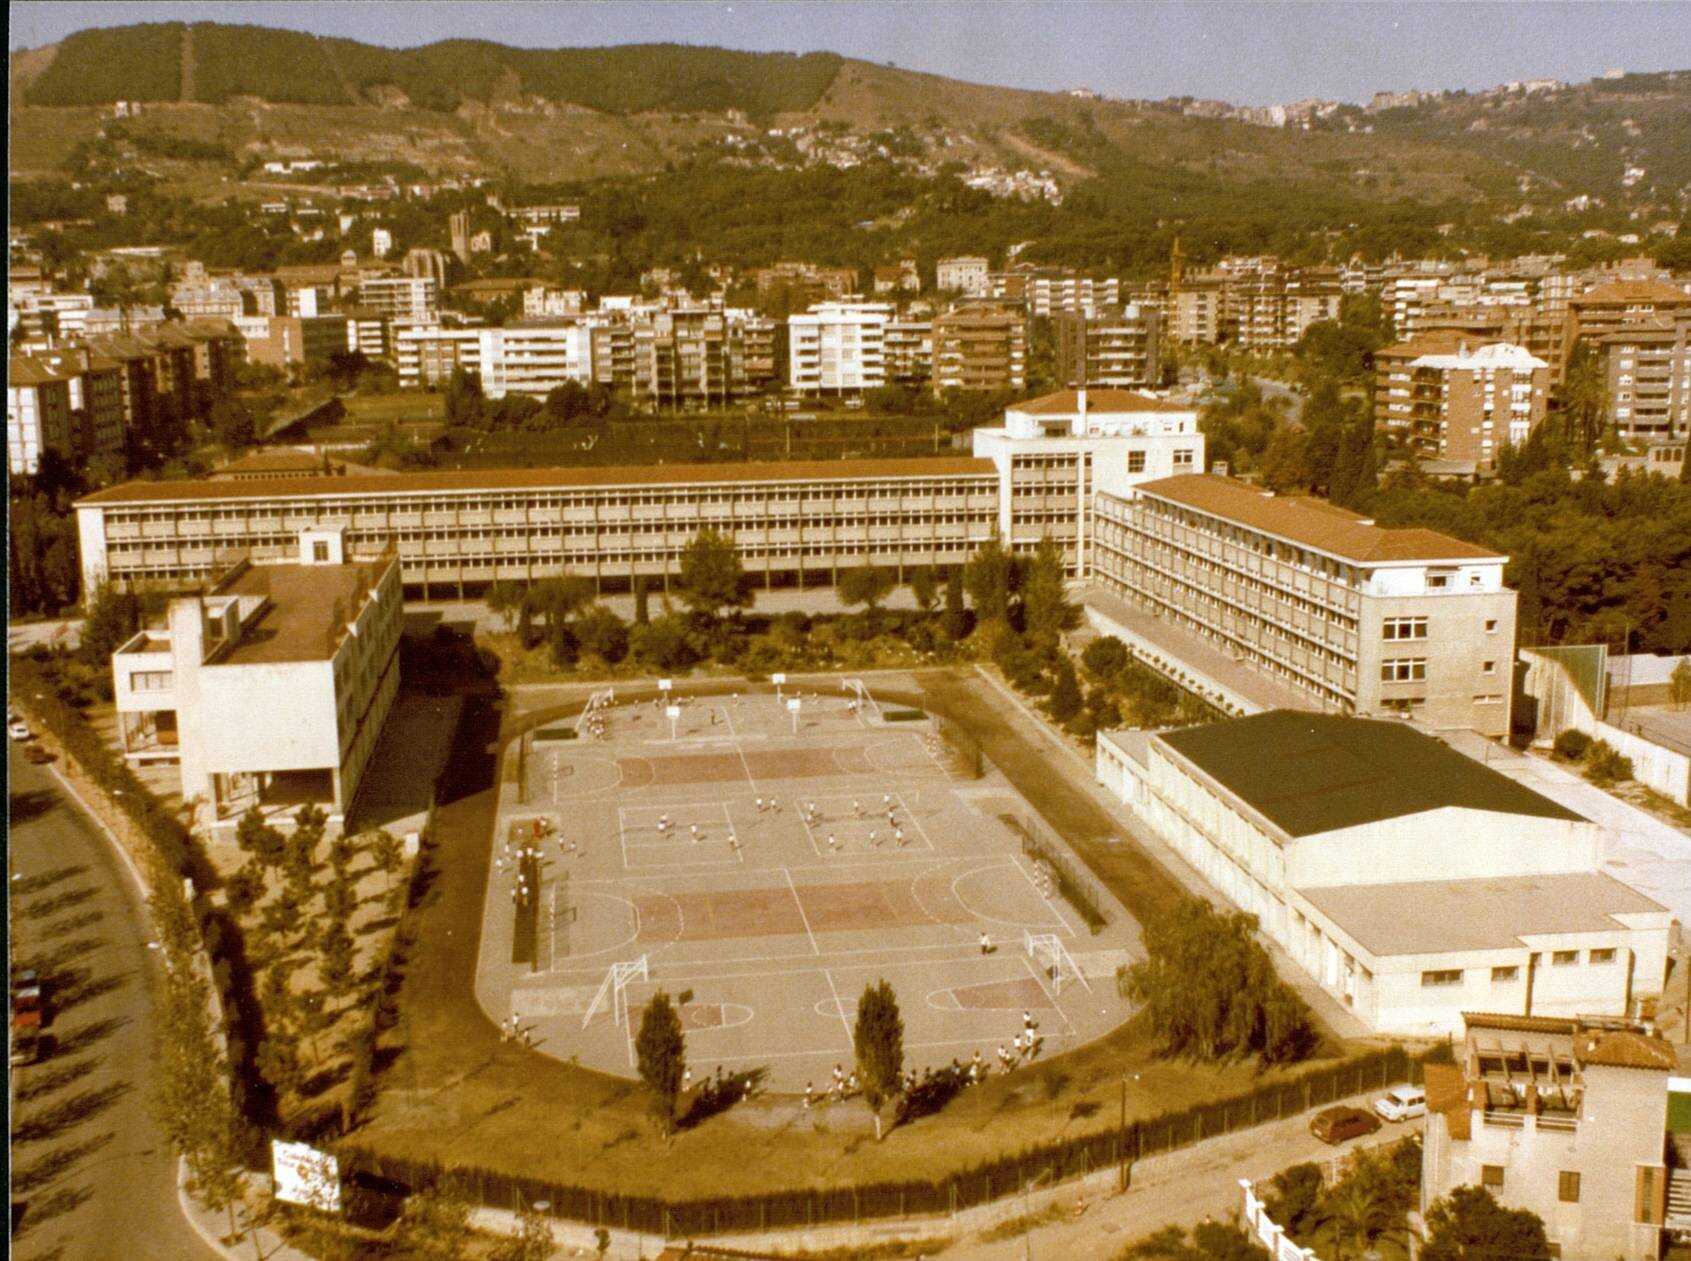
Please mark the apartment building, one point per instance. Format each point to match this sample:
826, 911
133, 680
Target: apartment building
690, 358
1568, 1119
1647, 380
1453, 400
1617, 305
401, 297
759, 337
38, 417
1121, 348
1054, 454
427, 357
540, 301
270, 688
1197, 308
1049, 291
534, 358
287, 340
789, 287
1367, 619
838, 348
67, 401
909, 349
1409, 881
979, 349
965, 274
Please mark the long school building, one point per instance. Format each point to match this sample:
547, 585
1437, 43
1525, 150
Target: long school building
792, 523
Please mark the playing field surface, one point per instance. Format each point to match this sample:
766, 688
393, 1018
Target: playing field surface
766, 867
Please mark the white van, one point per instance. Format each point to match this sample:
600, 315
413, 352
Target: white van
1402, 1103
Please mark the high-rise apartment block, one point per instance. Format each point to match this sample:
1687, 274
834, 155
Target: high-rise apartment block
979, 349
1120, 348
1451, 399
838, 348
1647, 374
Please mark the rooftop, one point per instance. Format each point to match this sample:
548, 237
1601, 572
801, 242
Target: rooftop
1633, 291
541, 479
1309, 522
1067, 403
308, 605
1431, 917
1312, 773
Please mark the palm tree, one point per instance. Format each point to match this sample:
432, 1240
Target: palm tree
1355, 1211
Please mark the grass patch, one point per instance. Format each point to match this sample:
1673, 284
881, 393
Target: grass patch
905, 715
1014, 1227
555, 733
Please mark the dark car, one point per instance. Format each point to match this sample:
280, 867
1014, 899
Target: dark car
35, 753
1337, 1125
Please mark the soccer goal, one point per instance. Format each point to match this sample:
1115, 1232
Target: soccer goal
614, 990
858, 691
1053, 960
600, 700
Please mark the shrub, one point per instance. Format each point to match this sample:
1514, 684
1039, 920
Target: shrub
1571, 745
1605, 765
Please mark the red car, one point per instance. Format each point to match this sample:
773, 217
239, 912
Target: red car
1337, 1125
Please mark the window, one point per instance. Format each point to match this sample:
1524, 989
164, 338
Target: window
1404, 670
1567, 1186
1491, 1175
1394, 628
1183, 458
1437, 582
1488, 667
1502, 976
1447, 976
320, 552
1564, 958
1135, 461
1606, 955
1491, 626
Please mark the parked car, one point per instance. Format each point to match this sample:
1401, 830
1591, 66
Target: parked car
1402, 1103
37, 754
26, 1046
29, 1000
1337, 1125
19, 730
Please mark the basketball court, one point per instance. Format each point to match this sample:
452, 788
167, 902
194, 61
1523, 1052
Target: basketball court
767, 864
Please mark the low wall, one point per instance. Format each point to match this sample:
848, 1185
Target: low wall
1273, 1237
1563, 706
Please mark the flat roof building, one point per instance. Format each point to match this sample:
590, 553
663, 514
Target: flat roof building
271, 687
1367, 619
1410, 881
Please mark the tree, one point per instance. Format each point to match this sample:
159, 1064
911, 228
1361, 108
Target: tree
1046, 611
564, 645
642, 601
712, 578
878, 1041
989, 578
1468, 1225
660, 1051
504, 598
924, 588
1209, 988
1679, 684
867, 585
113, 617
663, 644
559, 599
1211, 1241
1104, 658
956, 622
601, 631
387, 853
257, 838
231, 423
436, 1223
464, 402
1294, 1199
1354, 1210
532, 1242
1065, 700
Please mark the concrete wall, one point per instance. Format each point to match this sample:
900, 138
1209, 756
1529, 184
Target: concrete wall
1561, 707
1446, 844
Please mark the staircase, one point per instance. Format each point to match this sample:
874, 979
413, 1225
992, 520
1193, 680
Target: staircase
1679, 1200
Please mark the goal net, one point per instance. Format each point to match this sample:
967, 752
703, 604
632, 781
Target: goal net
614, 991
859, 692
1053, 961
596, 705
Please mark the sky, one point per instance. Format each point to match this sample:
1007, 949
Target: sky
1249, 53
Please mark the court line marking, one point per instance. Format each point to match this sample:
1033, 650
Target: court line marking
993, 919
799, 902
741, 750
681, 971
983, 1039
850, 1041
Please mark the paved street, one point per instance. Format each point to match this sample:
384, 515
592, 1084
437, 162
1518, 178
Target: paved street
91, 1176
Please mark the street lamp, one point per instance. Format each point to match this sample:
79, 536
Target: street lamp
1123, 1150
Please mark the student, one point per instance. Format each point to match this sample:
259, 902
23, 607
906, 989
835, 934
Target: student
986, 943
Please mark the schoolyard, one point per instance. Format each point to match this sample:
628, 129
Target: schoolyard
765, 866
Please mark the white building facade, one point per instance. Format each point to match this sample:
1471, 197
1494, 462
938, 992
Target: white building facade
838, 348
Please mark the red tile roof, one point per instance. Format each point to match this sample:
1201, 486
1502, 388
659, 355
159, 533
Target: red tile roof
1067, 403
541, 479
1621, 1048
1309, 522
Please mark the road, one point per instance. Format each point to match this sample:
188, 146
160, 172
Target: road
91, 1172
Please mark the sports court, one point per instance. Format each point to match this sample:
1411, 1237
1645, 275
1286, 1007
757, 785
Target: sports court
768, 864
